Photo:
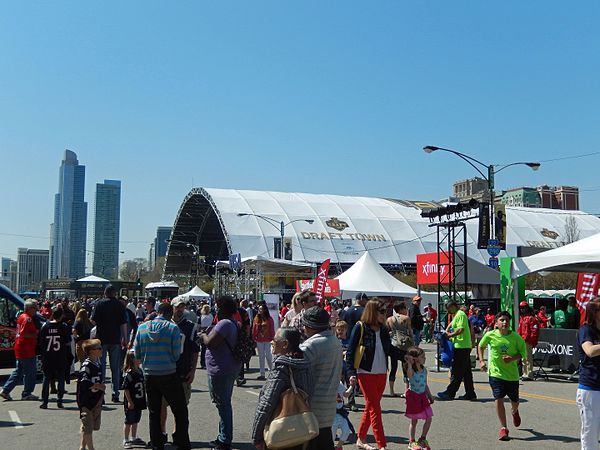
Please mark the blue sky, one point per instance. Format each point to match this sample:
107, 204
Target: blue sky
325, 97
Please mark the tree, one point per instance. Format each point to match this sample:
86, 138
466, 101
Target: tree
571, 233
132, 269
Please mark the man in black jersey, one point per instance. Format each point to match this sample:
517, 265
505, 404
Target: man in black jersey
54, 343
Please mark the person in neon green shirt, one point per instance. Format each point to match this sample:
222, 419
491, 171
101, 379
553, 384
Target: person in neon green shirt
459, 331
506, 347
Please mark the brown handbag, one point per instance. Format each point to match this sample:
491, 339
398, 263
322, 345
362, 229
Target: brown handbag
293, 422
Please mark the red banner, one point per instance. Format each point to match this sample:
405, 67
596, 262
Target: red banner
332, 287
587, 289
427, 268
321, 280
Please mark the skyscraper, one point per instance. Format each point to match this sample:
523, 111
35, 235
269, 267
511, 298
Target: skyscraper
68, 231
32, 268
107, 220
160, 242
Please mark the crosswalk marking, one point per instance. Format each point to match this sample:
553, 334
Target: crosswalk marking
15, 418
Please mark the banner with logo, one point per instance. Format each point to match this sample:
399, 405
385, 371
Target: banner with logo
321, 280
500, 224
484, 225
427, 268
332, 287
587, 289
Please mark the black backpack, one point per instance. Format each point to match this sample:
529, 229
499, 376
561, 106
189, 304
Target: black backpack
243, 348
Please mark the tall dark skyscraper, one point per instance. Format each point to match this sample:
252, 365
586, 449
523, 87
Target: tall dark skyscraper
68, 231
107, 220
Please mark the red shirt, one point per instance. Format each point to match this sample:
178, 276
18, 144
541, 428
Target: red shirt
25, 346
432, 313
489, 319
544, 319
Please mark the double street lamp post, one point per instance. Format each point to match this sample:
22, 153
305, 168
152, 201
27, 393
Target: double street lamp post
279, 225
491, 169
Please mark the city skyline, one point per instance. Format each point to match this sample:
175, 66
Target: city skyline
107, 220
69, 228
273, 97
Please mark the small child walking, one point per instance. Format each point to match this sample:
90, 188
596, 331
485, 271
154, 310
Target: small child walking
341, 421
90, 392
418, 397
135, 400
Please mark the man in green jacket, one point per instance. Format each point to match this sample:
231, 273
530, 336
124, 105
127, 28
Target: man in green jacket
460, 333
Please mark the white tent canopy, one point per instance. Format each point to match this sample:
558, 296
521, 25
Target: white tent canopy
579, 256
93, 279
194, 293
161, 285
366, 275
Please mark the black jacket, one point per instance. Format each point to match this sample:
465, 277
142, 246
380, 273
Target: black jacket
277, 382
369, 342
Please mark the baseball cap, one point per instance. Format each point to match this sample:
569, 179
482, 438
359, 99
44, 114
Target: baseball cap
177, 301
523, 303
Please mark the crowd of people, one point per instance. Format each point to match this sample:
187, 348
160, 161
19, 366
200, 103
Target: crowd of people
331, 352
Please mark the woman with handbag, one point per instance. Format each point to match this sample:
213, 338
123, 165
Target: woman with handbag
222, 368
366, 356
288, 363
401, 337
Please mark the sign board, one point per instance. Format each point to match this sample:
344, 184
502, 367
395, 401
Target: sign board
562, 350
272, 301
500, 224
484, 225
493, 247
332, 287
493, 262
427, 268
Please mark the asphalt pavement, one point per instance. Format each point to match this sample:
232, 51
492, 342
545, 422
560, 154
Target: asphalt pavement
550, 418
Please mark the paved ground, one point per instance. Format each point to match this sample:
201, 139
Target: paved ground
550, 419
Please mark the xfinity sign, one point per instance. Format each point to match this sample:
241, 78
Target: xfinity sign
428, 269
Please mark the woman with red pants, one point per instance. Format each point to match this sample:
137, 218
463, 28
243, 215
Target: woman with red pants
371, 333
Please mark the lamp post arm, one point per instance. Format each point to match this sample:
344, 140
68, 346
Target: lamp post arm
468, 159
272, 222
513, 164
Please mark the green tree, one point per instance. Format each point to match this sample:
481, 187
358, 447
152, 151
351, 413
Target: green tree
132, 269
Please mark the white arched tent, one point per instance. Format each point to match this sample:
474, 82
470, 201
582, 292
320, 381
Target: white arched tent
366, 275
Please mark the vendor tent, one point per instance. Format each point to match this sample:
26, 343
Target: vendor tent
92, 279
579, 256
194, 294
366, 275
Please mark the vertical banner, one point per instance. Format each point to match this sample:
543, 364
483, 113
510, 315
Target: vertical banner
500, 224
484, 225
277, 248
507, 287
287, 249
321, 280
587, 289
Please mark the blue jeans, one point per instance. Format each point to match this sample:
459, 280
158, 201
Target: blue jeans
221, 390
60, 379
25, 372
114, 358
416, 337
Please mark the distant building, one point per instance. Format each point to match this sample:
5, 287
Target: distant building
107, 220
559, 197
68, 231
471, 188
32, 269
524, 196
8, 273
160, 241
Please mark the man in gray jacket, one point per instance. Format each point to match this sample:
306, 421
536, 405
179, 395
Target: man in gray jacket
324, 352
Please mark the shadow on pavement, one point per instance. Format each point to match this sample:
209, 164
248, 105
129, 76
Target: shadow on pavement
6, 424
537, 436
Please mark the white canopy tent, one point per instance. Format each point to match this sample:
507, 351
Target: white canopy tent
194, 294
579, 256
366, 275
92, 279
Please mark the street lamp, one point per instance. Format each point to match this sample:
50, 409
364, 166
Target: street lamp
492, 170
278, 225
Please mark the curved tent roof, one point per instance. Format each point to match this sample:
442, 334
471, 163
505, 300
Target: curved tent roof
344, 227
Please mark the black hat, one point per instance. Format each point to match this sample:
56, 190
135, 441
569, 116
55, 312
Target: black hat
316, 318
